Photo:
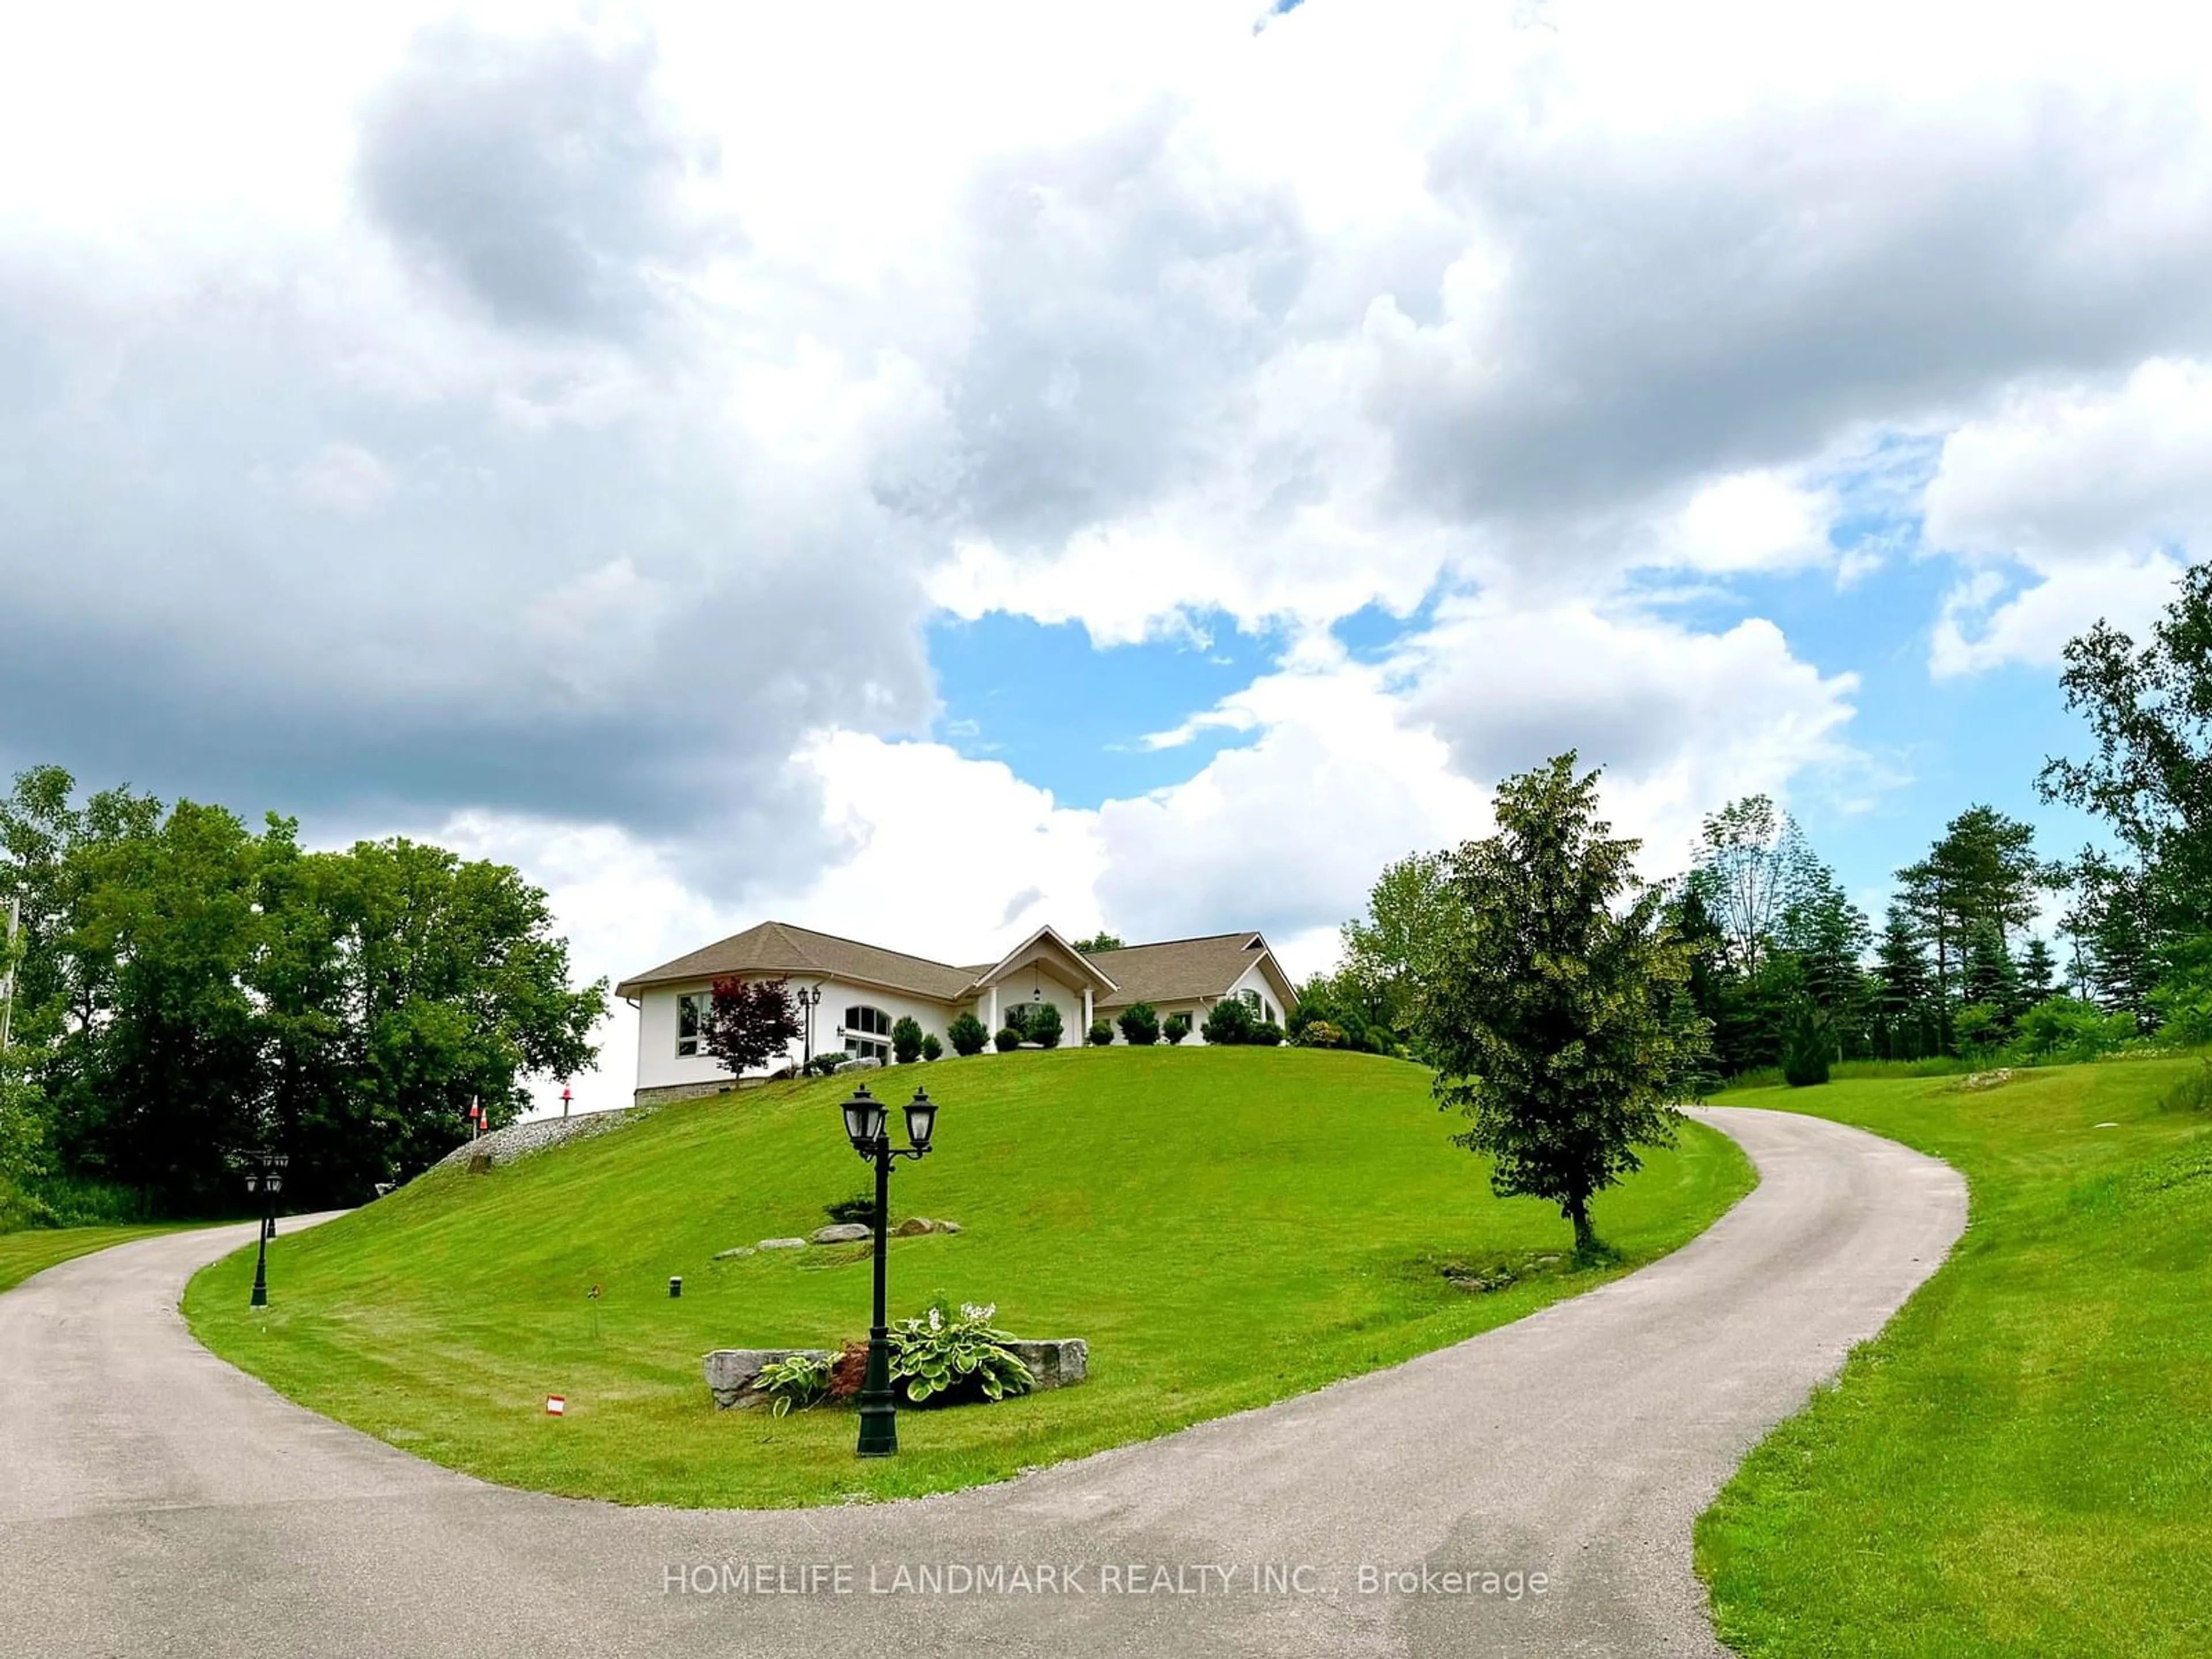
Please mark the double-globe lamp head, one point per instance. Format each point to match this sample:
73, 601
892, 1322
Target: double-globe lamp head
865, 1115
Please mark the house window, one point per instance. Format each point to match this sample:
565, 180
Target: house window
866, 1032
1251, 999
690, 1015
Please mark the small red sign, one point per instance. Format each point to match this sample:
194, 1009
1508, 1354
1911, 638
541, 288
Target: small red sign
555, 1405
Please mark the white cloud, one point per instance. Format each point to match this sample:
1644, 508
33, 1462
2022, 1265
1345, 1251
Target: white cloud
2081, 471
568, 421
2093, 493
344, 478
1981, 628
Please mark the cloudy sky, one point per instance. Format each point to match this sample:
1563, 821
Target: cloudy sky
924, 470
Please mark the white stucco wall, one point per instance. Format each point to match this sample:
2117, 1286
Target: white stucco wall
1031, 981
1256, 978
659, 1065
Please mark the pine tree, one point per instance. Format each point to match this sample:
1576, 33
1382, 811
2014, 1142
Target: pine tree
2038, 971
1905, 993
1992, 980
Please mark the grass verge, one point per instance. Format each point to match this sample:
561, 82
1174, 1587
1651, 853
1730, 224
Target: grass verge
2018, 1463
1226, 1227
38, 1248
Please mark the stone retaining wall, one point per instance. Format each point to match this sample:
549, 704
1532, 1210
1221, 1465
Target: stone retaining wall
505, 1146
1055, 1362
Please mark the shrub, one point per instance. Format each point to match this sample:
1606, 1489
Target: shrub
1045, 1029
1267, 1034
1229, 1021
848, 1372
1008, 1038
948, 1358
967, 1035
1177, 1028
1017, 1019
931, 1048
861, 1207
1979, 1029
906, 1039
799, 1380
826, 1062
2192, 1094
1804, 1048
1319, 1034
1101, 1034
2063, 1029
1140, 1025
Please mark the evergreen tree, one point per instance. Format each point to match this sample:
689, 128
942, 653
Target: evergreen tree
1905, 992
2038, 971
1827, 935
1992, 979
1551, 1008
2109, 921
1983, 870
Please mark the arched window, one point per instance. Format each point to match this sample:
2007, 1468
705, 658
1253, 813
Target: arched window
868, 1032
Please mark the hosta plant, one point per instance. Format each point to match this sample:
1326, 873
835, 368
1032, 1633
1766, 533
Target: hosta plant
950, 1357
799, 1380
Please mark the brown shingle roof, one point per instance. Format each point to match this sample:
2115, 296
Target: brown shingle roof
1179, 970
777, 947
1176, 970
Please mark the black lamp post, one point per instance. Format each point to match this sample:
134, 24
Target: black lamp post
866, 1128
808, 1002
265, 1175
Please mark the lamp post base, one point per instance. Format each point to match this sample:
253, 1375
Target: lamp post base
879, 1405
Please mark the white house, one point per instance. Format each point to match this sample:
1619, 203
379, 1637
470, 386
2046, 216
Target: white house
864, 989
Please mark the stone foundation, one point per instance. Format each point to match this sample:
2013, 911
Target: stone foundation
661, 1094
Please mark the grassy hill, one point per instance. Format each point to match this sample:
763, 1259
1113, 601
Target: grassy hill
2020, 1463
1225, 1226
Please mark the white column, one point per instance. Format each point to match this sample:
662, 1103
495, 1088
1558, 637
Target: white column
1087, 1016
991, 1024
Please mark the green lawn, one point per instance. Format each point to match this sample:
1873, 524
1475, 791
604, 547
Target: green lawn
38, 1248
1225, 1226
2021, 1463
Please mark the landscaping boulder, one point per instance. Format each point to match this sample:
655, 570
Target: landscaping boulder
844, 1232
948, 1226
782, 1244
914, 1226
869, 1064
731, 1374
1055, 1361
726, 1255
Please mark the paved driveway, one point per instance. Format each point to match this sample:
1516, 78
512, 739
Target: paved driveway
153, 1500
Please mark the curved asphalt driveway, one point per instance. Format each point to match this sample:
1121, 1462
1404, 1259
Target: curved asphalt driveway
153, 1500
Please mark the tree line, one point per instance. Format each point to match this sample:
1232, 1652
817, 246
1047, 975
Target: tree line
186, 987
1785, 971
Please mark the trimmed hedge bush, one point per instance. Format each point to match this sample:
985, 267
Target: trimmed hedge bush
1140, 1025
1008, 1038
1101, 1034
906, 1039
931, 1048
1229, 1021
1045, 1029
1177, 1028
967, 1035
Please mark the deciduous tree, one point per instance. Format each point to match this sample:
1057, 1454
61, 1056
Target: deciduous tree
750, 1022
